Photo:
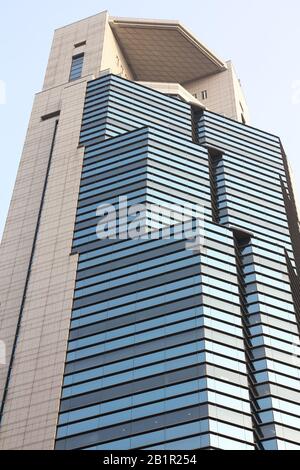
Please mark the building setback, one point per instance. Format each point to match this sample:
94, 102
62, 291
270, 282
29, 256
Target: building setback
145, 343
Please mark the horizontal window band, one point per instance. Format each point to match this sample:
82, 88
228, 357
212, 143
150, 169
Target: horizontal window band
187, 415
233, 194
146, 183
143, 411
209, 132
233, 187
133, 368
150, 383
155, 101
231, 123
130, 352
140, 91
115, 98
225, 147
261, 170
156, 257
232, 203
115, 158
235, 161
157, 138
124, 190
173, 266
93, 313
187, 439
157, 281
98, 316
116, 143
83, 391
115, 105
122, 108
245, 174
212, 240
275, 226
113, 176
137, 158
94, 327
90, 218
93, 247
192, 163
228, 179
241, 136
266, 235
201, 441
150, 173
153, 167
141, 350
233, 359
203, 384
185, 317
117, 431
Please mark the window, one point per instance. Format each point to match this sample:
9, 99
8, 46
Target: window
50, 115
80, 44
76, 67
204, 94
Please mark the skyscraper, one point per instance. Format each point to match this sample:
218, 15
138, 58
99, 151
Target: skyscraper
151, 340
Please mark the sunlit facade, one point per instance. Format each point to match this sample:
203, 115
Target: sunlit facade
149, 343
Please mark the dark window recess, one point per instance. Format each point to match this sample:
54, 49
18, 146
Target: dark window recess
50, 115
215, 169
204, 94
196, 116
76, 67
79, 44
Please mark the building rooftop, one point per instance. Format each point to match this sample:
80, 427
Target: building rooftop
163, 51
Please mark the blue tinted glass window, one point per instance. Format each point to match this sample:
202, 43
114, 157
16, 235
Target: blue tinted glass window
76, 67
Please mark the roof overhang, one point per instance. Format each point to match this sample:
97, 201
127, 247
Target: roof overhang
163, 51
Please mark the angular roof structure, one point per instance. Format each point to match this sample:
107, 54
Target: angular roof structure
163, 51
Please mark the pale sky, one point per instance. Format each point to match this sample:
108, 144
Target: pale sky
261, 37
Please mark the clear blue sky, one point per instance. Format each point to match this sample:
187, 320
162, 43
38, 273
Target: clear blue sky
262, 37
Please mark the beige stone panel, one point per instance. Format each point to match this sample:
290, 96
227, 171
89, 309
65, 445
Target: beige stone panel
16, 246
224, 94
92, 31
35, 386
240, 100
220, 98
